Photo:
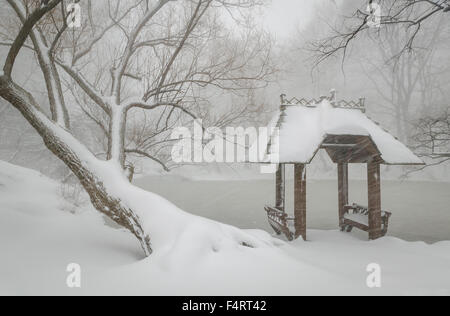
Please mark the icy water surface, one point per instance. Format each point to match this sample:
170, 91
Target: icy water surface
421, 210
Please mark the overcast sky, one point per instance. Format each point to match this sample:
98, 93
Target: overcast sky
283, 17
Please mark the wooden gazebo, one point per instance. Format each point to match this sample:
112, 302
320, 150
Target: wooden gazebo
348, 136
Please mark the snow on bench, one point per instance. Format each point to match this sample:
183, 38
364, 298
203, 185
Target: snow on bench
358, 216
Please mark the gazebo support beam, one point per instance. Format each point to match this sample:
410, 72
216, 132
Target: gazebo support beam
300, 200
374, 198
280, 187
342, 190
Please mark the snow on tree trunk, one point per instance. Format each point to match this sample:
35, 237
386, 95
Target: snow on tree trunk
111, 193
141, 212
116, 141
77, 158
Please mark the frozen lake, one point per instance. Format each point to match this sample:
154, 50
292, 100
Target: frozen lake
421, 210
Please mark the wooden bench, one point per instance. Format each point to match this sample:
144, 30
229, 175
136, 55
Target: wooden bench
279, 221
358, 216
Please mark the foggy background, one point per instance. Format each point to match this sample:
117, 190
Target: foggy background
368, 71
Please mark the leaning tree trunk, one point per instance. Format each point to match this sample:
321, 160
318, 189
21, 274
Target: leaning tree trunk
67, 148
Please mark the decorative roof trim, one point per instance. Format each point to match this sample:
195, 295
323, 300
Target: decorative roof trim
342, 104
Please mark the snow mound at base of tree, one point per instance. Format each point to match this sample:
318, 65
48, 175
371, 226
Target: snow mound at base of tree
20, 184
173, 231
38, 240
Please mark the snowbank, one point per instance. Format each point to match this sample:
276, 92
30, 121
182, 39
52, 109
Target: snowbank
38, 240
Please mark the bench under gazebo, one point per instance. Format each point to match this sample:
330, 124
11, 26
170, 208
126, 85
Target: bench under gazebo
344, 131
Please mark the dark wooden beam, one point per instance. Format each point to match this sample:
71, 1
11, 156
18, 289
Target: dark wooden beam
300, 200
338, 145
280, 188
342, 190
374, 198
350, 148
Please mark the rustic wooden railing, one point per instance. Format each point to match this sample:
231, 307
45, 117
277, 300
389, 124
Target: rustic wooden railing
279, 221
348, 223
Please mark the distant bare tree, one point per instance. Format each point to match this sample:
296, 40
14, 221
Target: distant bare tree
166, 44
432, 138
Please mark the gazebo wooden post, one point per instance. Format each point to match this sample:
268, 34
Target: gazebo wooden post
374, 198
342, 190
300, 200
280, 188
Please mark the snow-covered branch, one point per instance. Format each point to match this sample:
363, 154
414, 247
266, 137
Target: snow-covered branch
24, 32
44, 53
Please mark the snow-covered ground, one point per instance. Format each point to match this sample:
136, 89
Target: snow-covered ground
39, 237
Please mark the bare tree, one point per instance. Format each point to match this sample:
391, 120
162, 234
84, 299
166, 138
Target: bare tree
432, 139
19, 143
408, 33
407, 14
193, 75
177, 61
406, 84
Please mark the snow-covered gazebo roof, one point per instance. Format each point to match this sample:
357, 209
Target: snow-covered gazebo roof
336, 126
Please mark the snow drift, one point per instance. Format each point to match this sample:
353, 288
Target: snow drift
38, 239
